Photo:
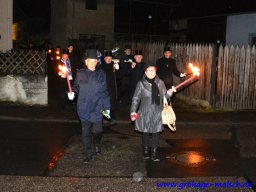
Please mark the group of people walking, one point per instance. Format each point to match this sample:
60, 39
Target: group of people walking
126, 79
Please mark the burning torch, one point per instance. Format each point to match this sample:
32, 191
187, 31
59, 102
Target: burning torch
195, 75
63, 72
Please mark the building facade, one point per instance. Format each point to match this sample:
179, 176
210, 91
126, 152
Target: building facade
241, 29
85, 23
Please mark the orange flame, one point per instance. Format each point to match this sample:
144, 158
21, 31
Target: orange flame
63, 69
195, 70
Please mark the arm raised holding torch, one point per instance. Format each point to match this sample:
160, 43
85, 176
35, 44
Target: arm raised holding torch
195, 75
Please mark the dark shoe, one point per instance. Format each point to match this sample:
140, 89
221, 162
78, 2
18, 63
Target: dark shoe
97, 150
87, 159
146, 153
154, 155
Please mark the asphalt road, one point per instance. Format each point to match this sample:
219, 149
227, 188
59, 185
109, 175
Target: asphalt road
28, 147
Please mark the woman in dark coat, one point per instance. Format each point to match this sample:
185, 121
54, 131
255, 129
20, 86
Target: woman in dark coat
146, 109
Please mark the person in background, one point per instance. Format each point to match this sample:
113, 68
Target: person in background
146, 109
166, 66
135, 72
111, 70
90, 87
74, 61
65, 70
126, 61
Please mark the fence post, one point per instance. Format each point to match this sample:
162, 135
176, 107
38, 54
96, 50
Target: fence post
214, 76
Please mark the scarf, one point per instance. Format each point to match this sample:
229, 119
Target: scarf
155, 91
68, 66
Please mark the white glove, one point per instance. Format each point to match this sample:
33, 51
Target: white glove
116, 66
182, 74
71, 95
133, 65
170, 91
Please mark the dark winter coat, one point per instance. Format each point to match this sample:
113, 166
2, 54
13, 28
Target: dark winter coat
165, 69
150, 115
111, 80
93, 97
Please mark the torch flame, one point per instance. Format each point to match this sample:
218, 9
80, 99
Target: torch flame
195, 70
62, 70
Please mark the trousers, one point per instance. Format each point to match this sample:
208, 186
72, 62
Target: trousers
91, 136
155, 140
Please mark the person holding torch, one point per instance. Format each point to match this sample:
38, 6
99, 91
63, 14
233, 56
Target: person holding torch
146, 109
90, 87
66, 77
166, 66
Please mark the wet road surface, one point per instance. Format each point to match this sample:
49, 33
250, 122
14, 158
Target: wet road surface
28, 147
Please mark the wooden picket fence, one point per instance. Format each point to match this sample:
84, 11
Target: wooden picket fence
236, 81
227, 74
23, 62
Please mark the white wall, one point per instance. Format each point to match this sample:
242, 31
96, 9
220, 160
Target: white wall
6, 19
240, 28
26, 89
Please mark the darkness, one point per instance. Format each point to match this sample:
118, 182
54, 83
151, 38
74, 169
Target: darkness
36, 14
137, 16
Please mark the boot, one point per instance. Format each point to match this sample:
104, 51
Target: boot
146, 153
154, 155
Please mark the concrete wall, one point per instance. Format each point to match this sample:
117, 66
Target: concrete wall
6, 19
70, 18
240, 29
29, 90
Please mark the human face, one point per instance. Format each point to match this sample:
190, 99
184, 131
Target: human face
128, 51
91, 64
138, 58
150, 72
64, 56
108, 60
167, 54
70, 48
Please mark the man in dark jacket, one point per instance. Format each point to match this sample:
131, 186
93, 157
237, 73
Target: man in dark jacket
135, 72
111, 69
166, 66
74, 61
91, 88
126, 61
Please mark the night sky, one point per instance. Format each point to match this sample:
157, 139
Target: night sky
138, 11
178, 8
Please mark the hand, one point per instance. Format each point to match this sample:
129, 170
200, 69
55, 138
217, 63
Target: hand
183, 75
106, 113
116, 66
133, 116
130, 61
133, 65
71, 95
170, 91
